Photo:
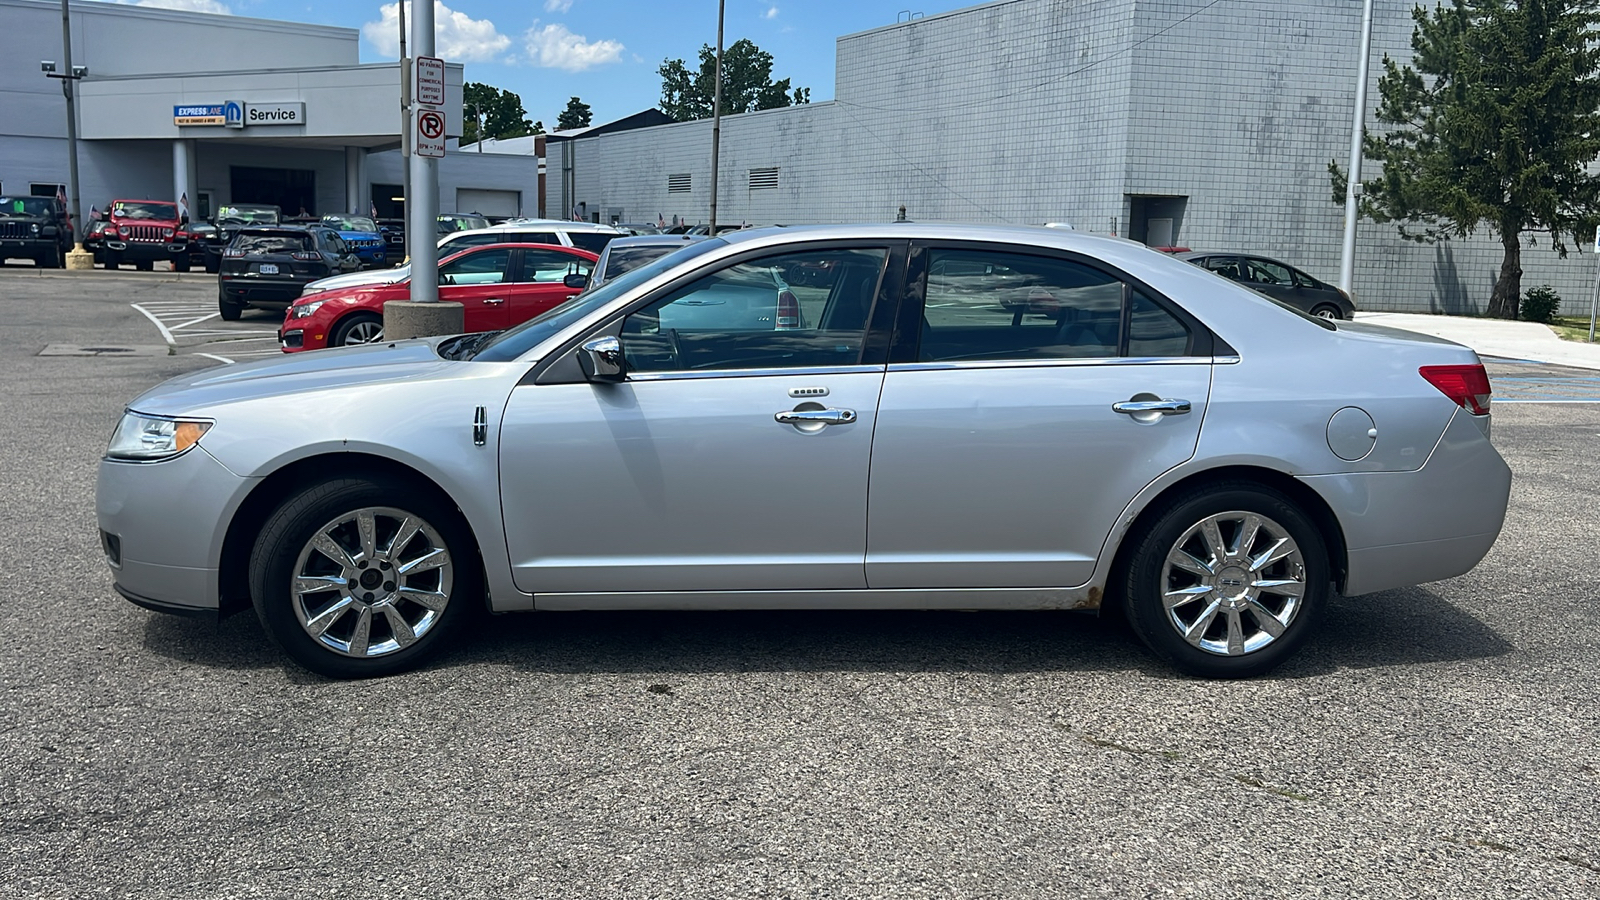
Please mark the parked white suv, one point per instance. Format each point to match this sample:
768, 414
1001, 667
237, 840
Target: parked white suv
583, 235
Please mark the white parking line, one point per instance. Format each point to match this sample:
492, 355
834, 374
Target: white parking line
220, 359
194, 321
165, 334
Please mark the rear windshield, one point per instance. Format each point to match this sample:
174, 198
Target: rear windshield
248, 216
279, 242
623, 259
350, 223
26, 206
592, 241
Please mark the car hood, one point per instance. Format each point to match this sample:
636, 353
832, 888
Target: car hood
297, 373
356, 279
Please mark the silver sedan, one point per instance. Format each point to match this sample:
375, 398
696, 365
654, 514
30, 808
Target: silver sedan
958, 417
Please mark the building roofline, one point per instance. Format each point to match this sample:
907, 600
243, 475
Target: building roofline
230, 73
100, 8
940, 15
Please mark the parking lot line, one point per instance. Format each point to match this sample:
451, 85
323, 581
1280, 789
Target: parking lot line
220, 359
194, 321
165, 334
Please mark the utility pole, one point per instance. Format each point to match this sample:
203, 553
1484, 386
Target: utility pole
716, 118
77, 257
1352, 191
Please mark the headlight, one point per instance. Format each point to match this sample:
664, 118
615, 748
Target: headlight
34, 226
312, 288
150, 437
303, 310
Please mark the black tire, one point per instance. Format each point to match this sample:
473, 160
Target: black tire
1180, 526
52, 260
213, 264
351, 330
1327, 311
145, 265
230, 311
284, 552
113, 259
180, 265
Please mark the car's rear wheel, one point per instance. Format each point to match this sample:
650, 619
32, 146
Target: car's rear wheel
51, 260
1327, 311
1227, 581
361, 328
213, 264
113, 259
144, 265
359, 578
181, 264
229, 310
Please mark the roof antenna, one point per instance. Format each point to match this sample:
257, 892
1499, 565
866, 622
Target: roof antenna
901, 217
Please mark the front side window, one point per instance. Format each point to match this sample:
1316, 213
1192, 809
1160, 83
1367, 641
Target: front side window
592, 241
747, 316
483, 267
1264, 272
993, 305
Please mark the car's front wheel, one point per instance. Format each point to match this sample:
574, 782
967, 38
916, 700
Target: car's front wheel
361, 328
1327, 311
1227, 581
359, 578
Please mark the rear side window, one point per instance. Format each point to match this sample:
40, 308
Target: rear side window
271, 243
1152, 331
993, 305
531, 237
592, 241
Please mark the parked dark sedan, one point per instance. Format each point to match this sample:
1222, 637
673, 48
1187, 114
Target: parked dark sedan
1281, 282
267, 267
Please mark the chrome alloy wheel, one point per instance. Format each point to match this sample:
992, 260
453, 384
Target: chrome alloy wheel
364, 332
371, 582
1233, 583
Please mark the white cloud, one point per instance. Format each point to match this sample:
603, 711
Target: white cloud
554, 47
771, 13
557, 6
457, 36
199, 6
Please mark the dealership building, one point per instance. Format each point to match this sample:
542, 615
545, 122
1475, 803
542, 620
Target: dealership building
223, 109
1173, 122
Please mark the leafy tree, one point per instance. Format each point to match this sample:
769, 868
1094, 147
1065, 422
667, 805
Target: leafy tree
1493, 125
538, 127
576, 115
502, 112
746, 83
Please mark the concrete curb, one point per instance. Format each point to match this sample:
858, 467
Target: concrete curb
1498, 338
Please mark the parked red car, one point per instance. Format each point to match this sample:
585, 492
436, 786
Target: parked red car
145, 231
499, 285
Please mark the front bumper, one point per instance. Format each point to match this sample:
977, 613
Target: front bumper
147, 251
167, 520
1405, 528
26, 247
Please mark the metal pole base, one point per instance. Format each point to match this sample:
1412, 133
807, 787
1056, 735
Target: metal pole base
79, 258
406, 319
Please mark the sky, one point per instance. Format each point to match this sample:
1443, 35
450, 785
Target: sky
603, 51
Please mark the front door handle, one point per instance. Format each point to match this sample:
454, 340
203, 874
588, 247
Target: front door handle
816, 417
494, 301
1145, 407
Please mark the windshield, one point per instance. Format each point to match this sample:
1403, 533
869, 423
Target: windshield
626, 259
124, 209
451, 222
234, 215
350, 223
25, 206
509, 345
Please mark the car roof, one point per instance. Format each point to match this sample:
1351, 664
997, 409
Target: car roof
656, 240
570, 251
282, 229
557, 225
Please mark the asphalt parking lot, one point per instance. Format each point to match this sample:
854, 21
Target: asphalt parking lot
1437, 741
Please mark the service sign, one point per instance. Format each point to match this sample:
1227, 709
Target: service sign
202, 114
275, 114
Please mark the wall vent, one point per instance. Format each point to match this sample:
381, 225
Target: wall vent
763, 178
679, 184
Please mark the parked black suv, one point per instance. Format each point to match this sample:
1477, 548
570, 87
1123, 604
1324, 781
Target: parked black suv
37, 228
268, 266
214, 236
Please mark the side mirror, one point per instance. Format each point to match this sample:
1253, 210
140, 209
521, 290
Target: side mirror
601, 360
576, 281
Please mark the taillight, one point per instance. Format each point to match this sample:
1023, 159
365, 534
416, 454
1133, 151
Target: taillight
306, 255
788, 311
1468, 386
233, 253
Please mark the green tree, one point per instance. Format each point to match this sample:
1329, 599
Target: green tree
500, 111
576, 115
538, 127
1491, 126
746, 83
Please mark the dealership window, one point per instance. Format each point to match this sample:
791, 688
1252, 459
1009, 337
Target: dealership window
40, 189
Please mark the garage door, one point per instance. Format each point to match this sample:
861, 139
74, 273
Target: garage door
488, 203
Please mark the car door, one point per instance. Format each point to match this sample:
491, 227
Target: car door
540, 282
479, 281
1005, 448
731, 458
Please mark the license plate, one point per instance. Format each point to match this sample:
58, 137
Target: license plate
269, 269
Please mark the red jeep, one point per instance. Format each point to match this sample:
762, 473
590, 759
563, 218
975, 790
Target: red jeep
143, 231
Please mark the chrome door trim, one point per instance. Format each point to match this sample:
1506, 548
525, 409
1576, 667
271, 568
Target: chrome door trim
1080, 597
1051, 363
752, 373
1225, 360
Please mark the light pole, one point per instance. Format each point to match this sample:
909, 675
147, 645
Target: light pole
1352, 190
405, 116
716, 118
77, 258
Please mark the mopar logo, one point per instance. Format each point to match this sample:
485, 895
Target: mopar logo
233, 114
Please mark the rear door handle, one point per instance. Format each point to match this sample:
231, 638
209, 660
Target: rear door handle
1163, 407
494, 301
816, 416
